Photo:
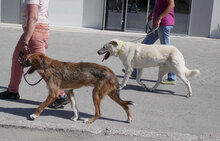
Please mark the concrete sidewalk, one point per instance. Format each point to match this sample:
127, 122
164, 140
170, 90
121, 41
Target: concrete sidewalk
163, 115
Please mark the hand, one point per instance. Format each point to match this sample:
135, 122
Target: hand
157, 23
25, 48
149, 18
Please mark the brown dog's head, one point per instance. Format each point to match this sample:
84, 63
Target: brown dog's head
36, 61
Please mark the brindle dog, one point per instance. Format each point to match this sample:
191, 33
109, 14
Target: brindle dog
68, 76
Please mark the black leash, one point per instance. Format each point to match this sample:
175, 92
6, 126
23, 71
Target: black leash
152, 31
33, 83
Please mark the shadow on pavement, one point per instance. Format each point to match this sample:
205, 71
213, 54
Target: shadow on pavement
26, 112
157, 91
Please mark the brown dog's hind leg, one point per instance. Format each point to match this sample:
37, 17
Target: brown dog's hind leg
114, 95
98, 94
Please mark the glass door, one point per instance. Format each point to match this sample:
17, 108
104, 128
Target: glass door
131, 15
182, 16
137, 13
115, 15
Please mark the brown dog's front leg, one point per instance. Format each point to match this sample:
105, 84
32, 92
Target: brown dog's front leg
42, 106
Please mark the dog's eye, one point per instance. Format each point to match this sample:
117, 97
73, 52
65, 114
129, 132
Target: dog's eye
104, 47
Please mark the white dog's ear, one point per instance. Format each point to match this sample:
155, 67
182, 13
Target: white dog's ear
114, 43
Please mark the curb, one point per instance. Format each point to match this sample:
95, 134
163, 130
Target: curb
109, 131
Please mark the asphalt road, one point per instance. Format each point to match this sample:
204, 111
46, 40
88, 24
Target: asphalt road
162, 115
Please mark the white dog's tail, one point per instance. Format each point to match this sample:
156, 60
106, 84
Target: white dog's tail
191, 73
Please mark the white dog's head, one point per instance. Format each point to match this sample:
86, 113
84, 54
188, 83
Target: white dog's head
110, 49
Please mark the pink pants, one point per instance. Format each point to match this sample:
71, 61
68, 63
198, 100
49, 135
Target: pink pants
37, 43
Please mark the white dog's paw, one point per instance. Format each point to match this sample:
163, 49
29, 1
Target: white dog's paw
74, 118
150, 89
121, 86
145, 87
33, 116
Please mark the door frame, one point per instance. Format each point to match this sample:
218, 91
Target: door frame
123, 16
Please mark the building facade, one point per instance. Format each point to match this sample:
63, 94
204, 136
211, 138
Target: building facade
193, 17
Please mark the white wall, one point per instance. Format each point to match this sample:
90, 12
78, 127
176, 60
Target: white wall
215, 22
0, 11
66, 12
201, 15
93, 13
10, 11
76, 13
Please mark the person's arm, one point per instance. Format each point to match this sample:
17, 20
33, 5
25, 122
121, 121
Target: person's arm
170, 6
31, 22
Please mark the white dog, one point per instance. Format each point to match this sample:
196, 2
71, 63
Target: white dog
134, 55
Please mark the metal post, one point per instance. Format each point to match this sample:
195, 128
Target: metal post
104, 15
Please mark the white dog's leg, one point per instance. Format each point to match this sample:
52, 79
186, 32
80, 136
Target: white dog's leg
187, 83
126, 77
138, 78
162, 71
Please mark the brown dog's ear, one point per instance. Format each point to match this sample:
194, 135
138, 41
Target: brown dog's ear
42, 62
114, 43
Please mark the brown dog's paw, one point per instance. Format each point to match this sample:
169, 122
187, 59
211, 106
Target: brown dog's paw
33, 116
88, 121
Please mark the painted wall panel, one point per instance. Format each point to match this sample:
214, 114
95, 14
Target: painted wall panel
201, 15
215, 22
93, 13
66, 13
10, 11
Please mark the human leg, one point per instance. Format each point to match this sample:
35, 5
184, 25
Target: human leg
149, 39
16, 75
16, 69
164, 35
38, 44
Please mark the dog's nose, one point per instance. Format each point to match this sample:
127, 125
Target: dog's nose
98, 52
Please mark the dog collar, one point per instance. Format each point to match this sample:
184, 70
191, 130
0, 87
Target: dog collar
119, 51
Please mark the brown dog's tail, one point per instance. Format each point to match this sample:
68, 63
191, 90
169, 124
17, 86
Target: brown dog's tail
119, 98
